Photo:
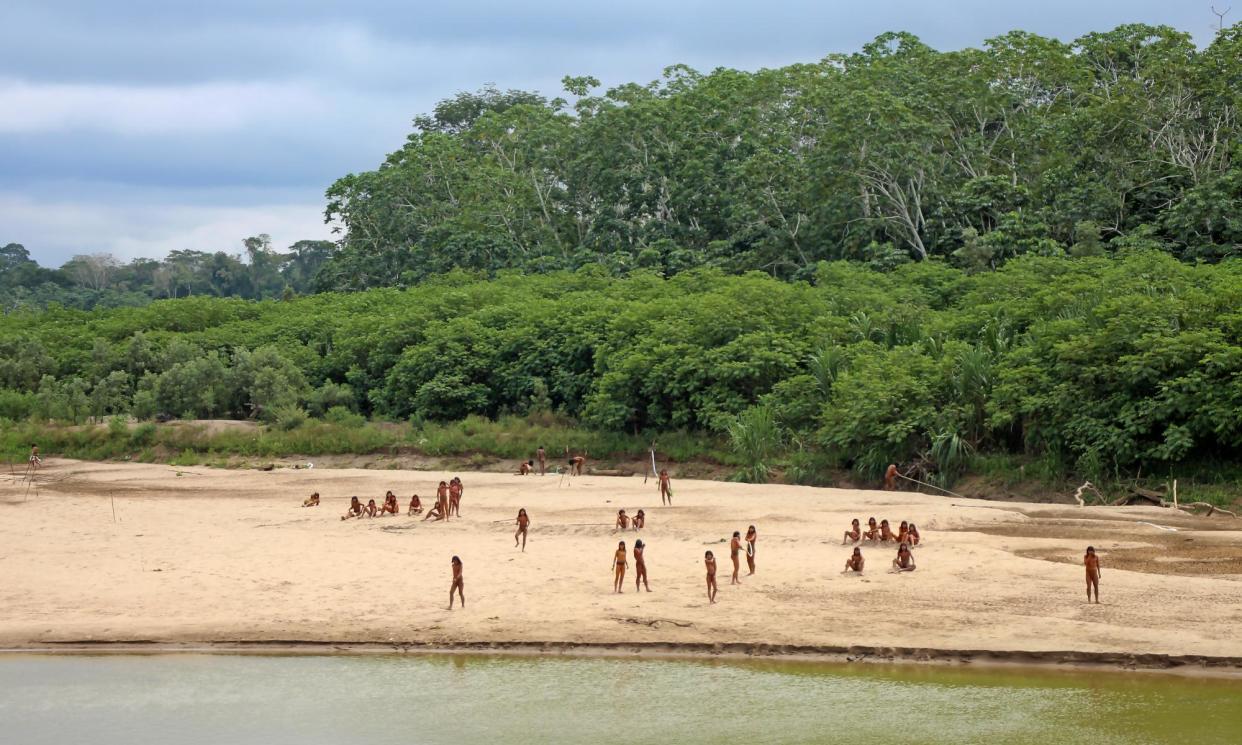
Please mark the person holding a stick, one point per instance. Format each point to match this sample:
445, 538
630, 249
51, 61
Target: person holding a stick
35, 460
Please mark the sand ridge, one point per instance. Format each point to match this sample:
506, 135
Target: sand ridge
212, 555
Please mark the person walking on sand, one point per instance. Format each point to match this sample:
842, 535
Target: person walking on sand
709, 561
458, 584
1092, 563
522, 523
666, 488
735, 546
752, 535
541, 455
640, 567
619, 564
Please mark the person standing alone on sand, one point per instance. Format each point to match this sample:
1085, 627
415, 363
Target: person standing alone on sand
458, 584
619, 563
735, 546
752, 535
541, 455
640, 567
709, 561
522, 523
1092, 563
890, 477
35, 460
666, 488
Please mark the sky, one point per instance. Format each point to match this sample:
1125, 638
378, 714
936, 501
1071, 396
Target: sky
137, 127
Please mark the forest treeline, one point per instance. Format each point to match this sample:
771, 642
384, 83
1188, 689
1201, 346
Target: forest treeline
1118, 140
100, 280
1092, 366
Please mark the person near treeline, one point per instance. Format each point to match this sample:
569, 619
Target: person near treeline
890, 477
541, 455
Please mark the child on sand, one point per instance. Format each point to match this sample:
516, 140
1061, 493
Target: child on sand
1092, 563
735, 545
455, 490
914, 535
709, 560
35, 460
416, 505
311, 501
855, 562
873, 531
640, 520
370, 510
390, 506
752, 535
436, 512
442, 501
890, 477
905, 560
526, 467
458, 584
854, 534
619, 563
903, 532
355, 509
522, 523
886, 532
640, 566
623, 520
666, 488
541, 455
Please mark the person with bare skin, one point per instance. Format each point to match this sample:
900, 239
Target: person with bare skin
312, 500
1092, 563
752, 536
914, 535
355, 509
576, 462
640, 567
905, 560
709, 560
623, 520
735, 546
619, 564
35, 460
370, 510
903, 532
640, 520
855, 562
523, 522
873, 531
854, 534
390, 506
416, 505
458, 584
666, 488
541, 455
886, 532
455, 490
890, 477
526, 467
442, 502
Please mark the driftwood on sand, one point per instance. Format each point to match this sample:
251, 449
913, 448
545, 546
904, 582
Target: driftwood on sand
1138, 494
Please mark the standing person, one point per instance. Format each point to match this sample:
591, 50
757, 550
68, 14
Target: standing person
619, 563
752, 535
666, 488
709, 560
1092, 563
455, 490
523, 522
640, 566
458, 584
735, 546
442, 501
890, 477
541, 455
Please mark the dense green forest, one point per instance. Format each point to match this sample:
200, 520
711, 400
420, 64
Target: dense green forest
1019, 254
1092, 366
897, 153
99, 280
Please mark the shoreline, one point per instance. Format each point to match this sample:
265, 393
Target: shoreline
1192, 666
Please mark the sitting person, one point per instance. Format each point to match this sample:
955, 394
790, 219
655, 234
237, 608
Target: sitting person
855, 562
903, 532
370, 510
886, 532
526, 468
390, 506
914, 535
854, 534
437, 511
311, 501
640, 519
905, 560
416, 505
873, 531
623, 520
355, 509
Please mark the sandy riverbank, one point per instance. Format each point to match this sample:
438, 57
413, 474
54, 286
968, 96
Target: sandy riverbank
207, 556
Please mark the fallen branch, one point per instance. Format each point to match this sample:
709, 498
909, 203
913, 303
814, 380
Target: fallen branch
1086, 486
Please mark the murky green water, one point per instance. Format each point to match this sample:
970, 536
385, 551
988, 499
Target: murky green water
467, 699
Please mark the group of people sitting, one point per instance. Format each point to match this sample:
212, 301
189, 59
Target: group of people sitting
625, 522
448, 503
906, 538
